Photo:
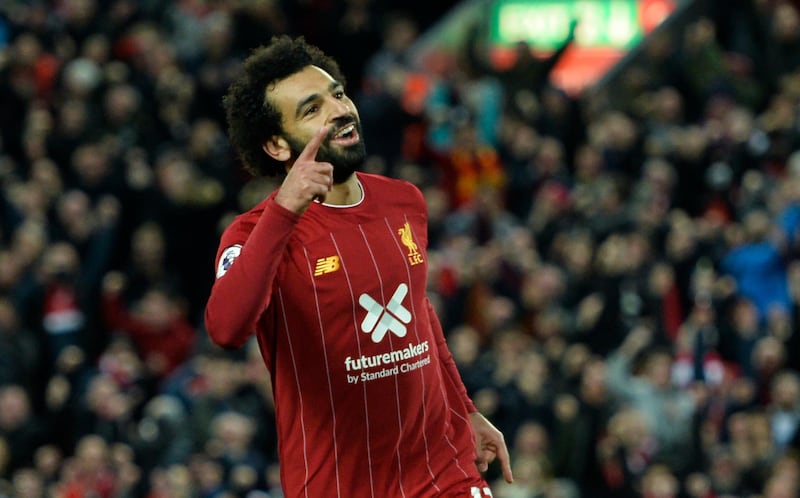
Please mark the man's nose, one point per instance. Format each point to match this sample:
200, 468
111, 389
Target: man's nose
339, 107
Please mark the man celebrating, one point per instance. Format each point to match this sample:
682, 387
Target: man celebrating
329, 272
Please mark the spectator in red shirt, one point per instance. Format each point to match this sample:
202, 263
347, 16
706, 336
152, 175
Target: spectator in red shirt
155, 322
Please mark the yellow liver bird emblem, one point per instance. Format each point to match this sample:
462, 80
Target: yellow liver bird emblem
407, 238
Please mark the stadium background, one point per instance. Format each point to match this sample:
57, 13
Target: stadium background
616, 269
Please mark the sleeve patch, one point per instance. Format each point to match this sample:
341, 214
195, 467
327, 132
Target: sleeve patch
229, 255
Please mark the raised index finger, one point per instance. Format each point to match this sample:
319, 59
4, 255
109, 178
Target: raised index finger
310, 151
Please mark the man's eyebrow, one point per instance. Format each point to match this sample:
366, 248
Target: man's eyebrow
334, 85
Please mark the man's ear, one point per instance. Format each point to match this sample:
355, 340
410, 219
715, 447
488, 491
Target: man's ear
277, 148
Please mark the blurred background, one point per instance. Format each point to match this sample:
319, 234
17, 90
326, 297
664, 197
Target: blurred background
614, 204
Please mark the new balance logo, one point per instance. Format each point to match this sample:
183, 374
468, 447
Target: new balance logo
380, 320
326, 265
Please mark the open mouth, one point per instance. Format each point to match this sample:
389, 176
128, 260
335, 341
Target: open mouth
346, 135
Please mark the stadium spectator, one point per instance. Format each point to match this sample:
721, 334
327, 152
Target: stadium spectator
612, 209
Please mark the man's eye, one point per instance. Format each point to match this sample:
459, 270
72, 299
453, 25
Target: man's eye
339, 94
311, 110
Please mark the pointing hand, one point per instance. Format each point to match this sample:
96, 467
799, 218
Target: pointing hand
307, 179
490, 444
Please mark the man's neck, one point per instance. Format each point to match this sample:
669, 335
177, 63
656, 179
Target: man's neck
345, 193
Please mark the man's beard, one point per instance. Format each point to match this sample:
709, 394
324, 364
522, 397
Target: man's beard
345, 160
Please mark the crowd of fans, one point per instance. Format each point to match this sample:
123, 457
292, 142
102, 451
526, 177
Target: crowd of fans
618, 278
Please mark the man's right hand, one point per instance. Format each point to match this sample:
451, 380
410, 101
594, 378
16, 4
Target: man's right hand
307, 179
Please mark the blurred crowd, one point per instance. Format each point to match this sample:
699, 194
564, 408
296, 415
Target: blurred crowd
617, 272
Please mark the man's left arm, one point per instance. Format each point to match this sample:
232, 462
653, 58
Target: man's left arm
489, 441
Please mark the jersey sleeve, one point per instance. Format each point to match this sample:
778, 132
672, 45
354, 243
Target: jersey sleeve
449, 367
246, 265
445, 356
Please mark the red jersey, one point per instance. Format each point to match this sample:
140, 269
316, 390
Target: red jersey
368, 399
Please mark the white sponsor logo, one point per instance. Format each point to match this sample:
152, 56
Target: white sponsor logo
409, 352
379, 320
227, 258
379, 366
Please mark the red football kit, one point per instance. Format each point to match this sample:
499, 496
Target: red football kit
368, 399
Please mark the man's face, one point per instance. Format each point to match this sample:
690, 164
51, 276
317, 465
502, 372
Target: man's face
311, 99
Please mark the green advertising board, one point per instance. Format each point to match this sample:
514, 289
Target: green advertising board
544, 24
606, 31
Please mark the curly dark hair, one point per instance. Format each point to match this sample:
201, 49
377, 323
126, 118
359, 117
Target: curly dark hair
252, 119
